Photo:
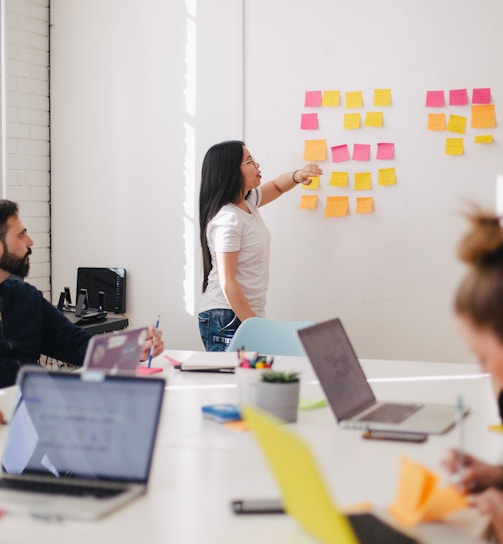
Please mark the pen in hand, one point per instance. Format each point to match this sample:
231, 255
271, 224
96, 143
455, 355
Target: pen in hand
151, 352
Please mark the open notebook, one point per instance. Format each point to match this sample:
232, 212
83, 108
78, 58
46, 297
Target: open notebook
79, 445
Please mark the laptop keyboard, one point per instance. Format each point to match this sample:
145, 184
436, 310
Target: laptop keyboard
371, 530
391, 413
55, 488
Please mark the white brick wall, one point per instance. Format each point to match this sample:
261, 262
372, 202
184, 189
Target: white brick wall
27, 166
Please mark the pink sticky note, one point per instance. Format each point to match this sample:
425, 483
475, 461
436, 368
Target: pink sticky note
361, 152
386, 151
309, 121
458, 97
313, 99
434, 99
147, 370
481, 96
340, 153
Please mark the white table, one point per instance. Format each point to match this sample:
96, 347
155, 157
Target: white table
199, 466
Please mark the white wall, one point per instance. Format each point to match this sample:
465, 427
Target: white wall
390, 276
139, 91
25, 124
127, 146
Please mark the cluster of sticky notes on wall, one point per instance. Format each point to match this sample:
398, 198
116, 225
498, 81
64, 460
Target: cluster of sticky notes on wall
320, 150
480, 111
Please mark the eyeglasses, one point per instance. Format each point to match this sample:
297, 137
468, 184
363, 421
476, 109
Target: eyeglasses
251, 159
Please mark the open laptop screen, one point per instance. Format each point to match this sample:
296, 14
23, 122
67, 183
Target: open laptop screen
337, 367
84, 426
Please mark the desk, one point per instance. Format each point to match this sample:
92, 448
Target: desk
199, 466
108, 324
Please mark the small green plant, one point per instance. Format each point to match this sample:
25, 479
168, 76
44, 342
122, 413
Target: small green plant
274, 376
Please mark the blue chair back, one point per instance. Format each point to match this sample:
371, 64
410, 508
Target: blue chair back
269, 336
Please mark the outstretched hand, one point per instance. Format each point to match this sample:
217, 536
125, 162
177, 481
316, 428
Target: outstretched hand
305, 174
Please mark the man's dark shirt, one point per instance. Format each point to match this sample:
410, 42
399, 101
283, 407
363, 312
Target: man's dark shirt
31, 326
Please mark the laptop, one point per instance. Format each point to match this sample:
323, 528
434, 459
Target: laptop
79, 445
118, 351
350, 395
304, 493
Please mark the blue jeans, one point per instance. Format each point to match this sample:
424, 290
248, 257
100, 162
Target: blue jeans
217, 327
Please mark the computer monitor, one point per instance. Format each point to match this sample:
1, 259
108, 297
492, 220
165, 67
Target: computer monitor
110, 281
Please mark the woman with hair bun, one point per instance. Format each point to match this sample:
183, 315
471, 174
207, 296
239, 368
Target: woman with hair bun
478, 306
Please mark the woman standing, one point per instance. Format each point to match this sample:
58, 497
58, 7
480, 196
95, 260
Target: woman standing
234, 238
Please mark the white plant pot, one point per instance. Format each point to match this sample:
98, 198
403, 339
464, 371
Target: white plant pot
279, 399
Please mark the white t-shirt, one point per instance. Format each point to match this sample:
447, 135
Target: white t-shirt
232, 229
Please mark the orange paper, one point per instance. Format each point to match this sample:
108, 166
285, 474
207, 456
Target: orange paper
315, 150
364, 204
436, 121
336, 206
483, 116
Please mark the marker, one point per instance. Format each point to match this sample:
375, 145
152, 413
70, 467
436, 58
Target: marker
151, 352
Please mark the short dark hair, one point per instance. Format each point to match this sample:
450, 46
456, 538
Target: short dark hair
7, 209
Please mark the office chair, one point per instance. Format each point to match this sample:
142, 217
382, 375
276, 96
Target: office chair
269, 336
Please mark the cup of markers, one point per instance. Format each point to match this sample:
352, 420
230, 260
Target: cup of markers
248, 374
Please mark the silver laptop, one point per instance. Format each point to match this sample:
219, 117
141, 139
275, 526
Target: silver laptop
79, 445
350, 395
118, 351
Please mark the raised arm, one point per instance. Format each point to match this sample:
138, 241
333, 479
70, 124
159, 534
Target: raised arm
285, 182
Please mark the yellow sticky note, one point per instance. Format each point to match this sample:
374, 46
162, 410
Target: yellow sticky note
339, 179
386, 176
351, 120
373, 119
331, 98
484, 139
364, 204
483, 116
436, 121
363, 181
354, 99
315, 150
496, 428
314, 185
457, 123
336, 206
382, 97
308, 202
454, 146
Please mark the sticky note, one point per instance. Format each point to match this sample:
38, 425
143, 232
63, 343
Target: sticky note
436, 121
354, 99
339, 179
481, 96
386, 176
497, 428
419, 498
314, 185
454, 146
315, 150
312, 99
312, 404
385, 151
484, 139
458, 97
336, 206
351, 120
309, 121
364, 204
434, 99
373, 119
308, 202
363, 181
483, 116
457, 123
340, 153
331, 98
361, 152
382, 97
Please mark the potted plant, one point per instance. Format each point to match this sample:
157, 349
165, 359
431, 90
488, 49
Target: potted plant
278, 394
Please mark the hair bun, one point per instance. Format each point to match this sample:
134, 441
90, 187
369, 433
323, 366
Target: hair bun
484, 241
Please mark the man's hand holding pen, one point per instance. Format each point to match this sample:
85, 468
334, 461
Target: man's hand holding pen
154, 340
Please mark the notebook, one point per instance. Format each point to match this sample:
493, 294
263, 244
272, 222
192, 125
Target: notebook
304, 493
350, 395
118, 351
79, 445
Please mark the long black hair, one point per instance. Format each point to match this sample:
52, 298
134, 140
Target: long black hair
221, 183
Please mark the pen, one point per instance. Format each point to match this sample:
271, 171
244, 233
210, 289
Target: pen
156, 328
